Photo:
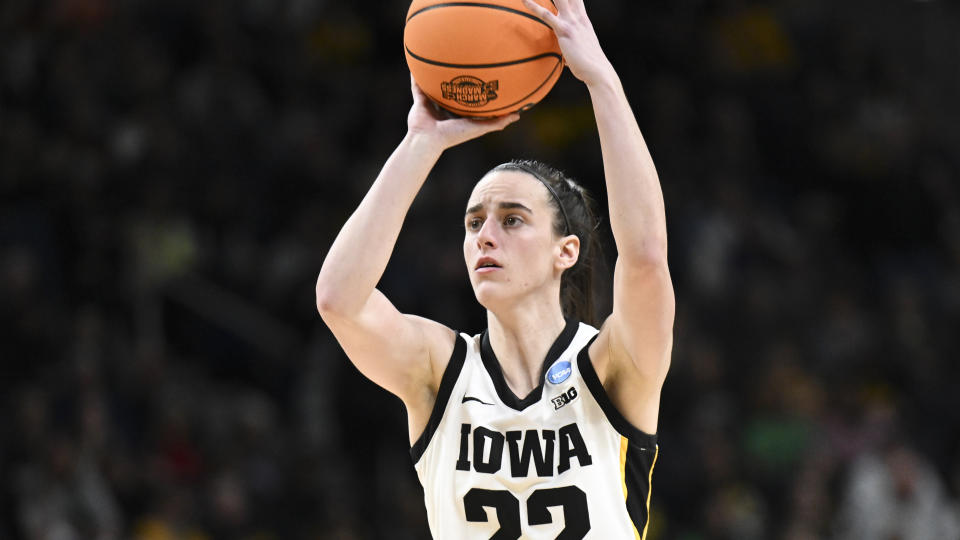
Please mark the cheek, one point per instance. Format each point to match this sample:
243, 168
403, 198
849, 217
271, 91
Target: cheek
536, 254
468, 252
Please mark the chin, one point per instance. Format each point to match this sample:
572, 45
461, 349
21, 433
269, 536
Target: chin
490, 295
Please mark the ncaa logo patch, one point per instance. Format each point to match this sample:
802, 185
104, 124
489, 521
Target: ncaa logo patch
559, 372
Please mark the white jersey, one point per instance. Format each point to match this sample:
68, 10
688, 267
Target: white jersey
561, 463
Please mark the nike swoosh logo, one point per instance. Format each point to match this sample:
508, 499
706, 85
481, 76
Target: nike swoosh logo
471, 398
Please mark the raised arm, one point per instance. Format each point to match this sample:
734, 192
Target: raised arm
638, 335
398, 352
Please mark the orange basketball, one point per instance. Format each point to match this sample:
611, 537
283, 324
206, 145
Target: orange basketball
481, 58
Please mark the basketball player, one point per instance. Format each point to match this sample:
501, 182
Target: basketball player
541, 426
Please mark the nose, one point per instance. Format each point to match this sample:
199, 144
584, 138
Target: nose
486, 236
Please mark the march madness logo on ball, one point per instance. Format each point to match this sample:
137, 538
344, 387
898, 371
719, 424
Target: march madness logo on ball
470, 91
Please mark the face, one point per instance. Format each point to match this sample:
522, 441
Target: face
509, 245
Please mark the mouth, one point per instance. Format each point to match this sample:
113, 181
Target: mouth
487, 264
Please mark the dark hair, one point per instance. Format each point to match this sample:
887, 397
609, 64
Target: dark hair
574, 214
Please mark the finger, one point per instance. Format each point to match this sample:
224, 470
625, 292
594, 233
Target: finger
486, 123
418, 94
542, 13
578, 6
563, 6
505, 121
414, 89
477, 127
496, 124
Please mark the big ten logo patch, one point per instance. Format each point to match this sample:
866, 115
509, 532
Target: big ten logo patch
564, 398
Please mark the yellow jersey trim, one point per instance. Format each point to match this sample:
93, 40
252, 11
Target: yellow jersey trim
650, 489
624, 443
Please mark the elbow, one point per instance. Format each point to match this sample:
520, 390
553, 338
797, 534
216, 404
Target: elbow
337, 299
641, 246
328, 302
324, 307
647, 254
324, 303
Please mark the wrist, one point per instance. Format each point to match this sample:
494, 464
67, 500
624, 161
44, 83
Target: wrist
423, 144
605, 80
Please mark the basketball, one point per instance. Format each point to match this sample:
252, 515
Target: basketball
481, 59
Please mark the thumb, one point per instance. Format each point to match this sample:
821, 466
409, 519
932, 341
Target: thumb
463, 129
500, 122
476, 128
418, 94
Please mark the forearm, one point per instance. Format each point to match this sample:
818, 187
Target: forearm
637, 216
359, 255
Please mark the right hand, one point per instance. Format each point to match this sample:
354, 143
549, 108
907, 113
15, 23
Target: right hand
427, 121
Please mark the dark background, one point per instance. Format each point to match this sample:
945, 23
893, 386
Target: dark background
173, 172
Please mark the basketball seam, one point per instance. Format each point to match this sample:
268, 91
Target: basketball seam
535, 90
481, 66
480, 5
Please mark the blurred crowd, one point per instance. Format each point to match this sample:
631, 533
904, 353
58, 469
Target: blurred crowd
171, 174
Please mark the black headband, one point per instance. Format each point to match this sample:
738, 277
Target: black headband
553, 192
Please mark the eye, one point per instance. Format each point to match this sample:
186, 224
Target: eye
512, 221
474, 224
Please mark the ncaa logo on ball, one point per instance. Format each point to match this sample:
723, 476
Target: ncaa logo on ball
559, 372
470, 91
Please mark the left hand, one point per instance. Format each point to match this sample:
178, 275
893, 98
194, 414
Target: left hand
578, 40
425, 120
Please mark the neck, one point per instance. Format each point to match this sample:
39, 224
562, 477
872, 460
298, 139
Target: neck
521, 338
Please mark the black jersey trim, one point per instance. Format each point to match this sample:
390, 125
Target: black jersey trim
640, 454
636, 436
447, 382
492, 365
637, 470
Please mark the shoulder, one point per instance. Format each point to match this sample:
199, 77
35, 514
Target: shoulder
426, 400
440, 342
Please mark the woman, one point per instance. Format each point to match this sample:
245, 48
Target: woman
581, 441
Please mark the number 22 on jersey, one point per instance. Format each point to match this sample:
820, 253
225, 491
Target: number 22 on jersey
571, 499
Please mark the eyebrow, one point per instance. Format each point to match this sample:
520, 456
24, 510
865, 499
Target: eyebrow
503, 206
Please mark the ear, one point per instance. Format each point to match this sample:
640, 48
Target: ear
568, 252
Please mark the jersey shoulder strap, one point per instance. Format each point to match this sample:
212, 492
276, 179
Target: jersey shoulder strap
447, 382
